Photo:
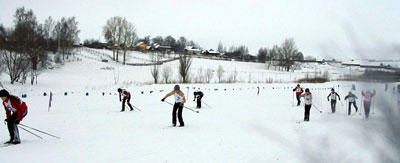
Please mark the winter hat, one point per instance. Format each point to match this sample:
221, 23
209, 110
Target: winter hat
332, 89
298, 85
119, 90
307, 90
350, 92
177, 88
4, 93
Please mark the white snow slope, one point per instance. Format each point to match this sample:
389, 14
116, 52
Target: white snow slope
240, 126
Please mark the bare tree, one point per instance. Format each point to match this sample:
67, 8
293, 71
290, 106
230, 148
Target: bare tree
249, 77
12, 59
120, 33
110, 32
129, 36
200, 76
167, 73
155, 69
209, 75
221, 48
31, 40
185, 61
235, 74
66, 32
220, 73
289, 52
116, 75
48, 28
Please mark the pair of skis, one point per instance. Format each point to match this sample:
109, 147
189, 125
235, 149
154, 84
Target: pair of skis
25, 128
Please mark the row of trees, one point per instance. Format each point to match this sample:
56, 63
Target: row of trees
185, 75
120, 32
185, 62
283, 56
24, 47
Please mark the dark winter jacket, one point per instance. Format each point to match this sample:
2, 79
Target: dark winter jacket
352, 98
333, 96
198, 93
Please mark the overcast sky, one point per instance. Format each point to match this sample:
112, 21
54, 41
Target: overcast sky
338, 28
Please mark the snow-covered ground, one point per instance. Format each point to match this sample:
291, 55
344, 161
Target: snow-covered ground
240, 126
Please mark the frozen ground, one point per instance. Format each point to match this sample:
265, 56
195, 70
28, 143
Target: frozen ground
240, 126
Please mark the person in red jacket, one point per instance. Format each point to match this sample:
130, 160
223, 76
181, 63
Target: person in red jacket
16, 110
298, 91
126, 98
367, 101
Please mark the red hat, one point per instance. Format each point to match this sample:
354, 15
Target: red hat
307, 90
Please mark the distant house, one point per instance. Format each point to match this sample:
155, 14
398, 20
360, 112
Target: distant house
192, 50
161, 48
211, 52
141, 46
249, 58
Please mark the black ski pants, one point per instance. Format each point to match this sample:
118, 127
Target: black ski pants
178, 108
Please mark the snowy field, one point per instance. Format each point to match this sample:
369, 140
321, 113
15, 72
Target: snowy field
240, 126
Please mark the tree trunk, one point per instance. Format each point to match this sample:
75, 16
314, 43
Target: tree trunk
113, 54
117, 54
125, 57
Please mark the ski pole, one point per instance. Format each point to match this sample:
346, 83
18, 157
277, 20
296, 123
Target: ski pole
30, 132
207, 105
362, 99
136, 107
341, 102
184, 107
373, 108
39, 131
316, 108
293, 100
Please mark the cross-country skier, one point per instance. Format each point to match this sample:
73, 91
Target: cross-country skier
126, 98
352, 100
298, 91
333, 97
258, 91
16, 110
307, 104
368, 95
198, 95
178, 106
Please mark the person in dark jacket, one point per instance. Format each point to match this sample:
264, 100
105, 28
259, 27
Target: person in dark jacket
352, 100
333, 96
16, 110
126, 98
198, 95
298, 91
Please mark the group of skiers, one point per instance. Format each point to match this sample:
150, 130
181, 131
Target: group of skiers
333, 97
177, 110
16, 109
